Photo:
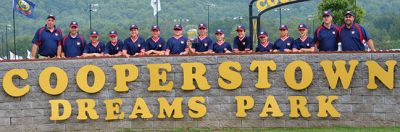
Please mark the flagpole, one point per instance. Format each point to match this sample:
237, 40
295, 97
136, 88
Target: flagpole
15, 47
157, 9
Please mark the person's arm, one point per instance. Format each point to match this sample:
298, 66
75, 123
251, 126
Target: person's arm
311, 49
59, 51
371, 45
34, 51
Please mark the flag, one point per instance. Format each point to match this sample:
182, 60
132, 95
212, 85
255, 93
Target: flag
156, 6
24, 7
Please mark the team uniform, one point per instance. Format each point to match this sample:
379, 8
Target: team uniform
73, 46
267, 47
282, 44
352, 38
221, 47
89, 48
327, 38
134, 46
48, 41
304, 44
242, 44
113, 48
177, 45
202, 45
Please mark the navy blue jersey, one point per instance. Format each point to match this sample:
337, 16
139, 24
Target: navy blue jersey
242, 45
222, 48
202, 45
157, 45
89, 48
134, 46
73, 46
351, 38
265, 48
113, 49
177, 46
47, 41
281, 45
327, 38
306, 44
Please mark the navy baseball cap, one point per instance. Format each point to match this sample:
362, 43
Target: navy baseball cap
349, 13
219, 31
262, 34
155, 27
283, 27
241, 27
302, 26
51, 16
178, 26
113, 34
94, 33
133, 27
327, 13
74, 23
202, 25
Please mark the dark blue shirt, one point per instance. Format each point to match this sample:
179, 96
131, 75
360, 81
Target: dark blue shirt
113, 49
73, 47
327, 38
49, 41
160, 45
202, 45
89, 48
282, 45
243, 44
177, 46
222, 48
350, 38
306, 44
134, 47
262, 48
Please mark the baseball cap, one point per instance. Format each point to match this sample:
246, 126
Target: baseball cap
202, 25
219, 31
349, 13
94, 33
133, 27
155, 27
241, 27
178, 26
74, 23
113, 34
51, 16
302, 26
283, 27
263, 34
327, 13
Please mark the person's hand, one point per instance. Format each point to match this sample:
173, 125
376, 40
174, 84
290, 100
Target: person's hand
33, 58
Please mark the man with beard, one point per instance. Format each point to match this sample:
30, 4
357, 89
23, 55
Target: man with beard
353, 35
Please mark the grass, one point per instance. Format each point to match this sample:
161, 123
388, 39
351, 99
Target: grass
334, 129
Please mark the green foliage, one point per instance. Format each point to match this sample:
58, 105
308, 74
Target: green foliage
339, 8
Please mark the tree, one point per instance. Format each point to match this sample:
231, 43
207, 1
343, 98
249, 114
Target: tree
339, 8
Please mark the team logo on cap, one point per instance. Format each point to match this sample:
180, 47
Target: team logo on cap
94, 33
282, 26
201, 24
154, 26
326, 12
112, 32
262, 32
348, 11
301, 26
